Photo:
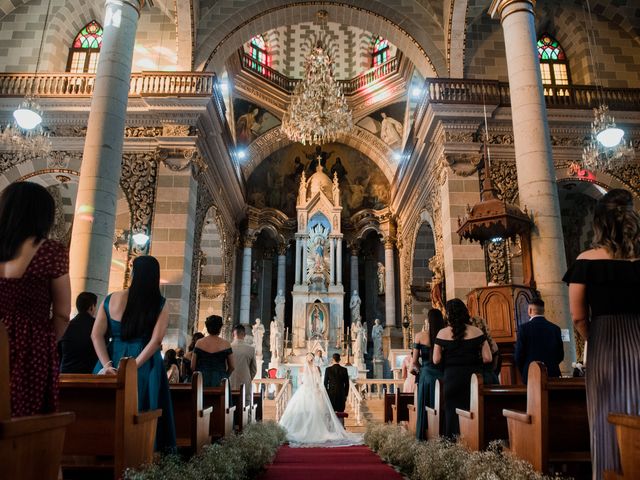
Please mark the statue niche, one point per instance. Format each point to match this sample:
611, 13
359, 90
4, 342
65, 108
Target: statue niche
317, 264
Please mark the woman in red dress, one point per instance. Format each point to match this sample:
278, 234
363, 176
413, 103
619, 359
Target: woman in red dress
35, 296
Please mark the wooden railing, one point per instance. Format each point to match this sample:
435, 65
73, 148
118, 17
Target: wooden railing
376, 387
282, 399
355, 399
155, 84
349, 87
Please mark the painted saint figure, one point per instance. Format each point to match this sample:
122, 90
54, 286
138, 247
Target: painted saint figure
354, 306
317, 321
376, 334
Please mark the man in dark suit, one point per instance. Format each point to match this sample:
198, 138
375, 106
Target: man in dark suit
336, 381
539, 340
76, 348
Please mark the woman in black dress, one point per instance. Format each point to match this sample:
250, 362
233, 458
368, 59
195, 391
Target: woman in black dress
462, 349
603, 295
212, 355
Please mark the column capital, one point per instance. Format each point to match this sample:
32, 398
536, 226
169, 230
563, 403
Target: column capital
282, 249
503, 8
248, 242
389, 243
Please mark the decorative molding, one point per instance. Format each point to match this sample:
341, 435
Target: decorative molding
505, 180
463, 164
178, 130
498, 271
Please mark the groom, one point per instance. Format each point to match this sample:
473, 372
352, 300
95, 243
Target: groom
336, 381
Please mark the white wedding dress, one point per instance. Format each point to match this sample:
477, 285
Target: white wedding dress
309, 418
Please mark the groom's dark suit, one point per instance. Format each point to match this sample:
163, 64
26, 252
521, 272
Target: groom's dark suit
336, 381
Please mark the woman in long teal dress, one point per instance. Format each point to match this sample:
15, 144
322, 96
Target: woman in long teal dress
428, 372
138, 322
212, 355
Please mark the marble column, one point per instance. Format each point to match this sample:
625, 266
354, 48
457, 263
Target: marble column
94, 223
298, 261
332, 261
339, 261
389, 284
282, 263
354, 270
245, 289
534, 160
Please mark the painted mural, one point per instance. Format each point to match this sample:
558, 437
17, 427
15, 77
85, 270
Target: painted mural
251, 121
274, 183
386, 124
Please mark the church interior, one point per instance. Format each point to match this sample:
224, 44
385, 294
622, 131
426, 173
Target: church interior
325, 173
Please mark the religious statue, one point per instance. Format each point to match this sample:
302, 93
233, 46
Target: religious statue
316, 321
275, 338
302, 189
381, 271
437, 281
280, 302
376, 335
359, 335
391, 131
258, 333
354, 306
336, 190
246, 127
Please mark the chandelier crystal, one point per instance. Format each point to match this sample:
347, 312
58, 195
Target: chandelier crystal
605, 147
25, 144
318, 112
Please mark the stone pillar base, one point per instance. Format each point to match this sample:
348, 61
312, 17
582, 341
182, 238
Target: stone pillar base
378, 368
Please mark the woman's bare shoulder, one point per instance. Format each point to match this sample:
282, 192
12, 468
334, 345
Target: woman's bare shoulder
445, 333
595, 254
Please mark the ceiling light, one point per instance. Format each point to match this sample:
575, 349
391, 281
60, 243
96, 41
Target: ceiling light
140, 238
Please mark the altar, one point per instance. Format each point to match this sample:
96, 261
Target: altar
294, 370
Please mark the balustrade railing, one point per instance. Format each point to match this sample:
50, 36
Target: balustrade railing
156, 84
355, 399
282, 399
376, 387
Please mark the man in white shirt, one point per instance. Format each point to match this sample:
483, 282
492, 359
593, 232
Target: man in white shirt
319, 361
245, 362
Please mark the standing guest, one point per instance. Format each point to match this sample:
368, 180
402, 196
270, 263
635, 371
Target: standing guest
187, 356
319, 361
76, 347
244, 359
138, 321
171, 366
462, 349
539, 340
428, 371
35, 296
212, 355
605, 281
490, 371
408, 375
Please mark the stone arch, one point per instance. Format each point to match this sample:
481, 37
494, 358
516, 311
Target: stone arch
212, 285
220, 36
421, 250
358, 139
604, 180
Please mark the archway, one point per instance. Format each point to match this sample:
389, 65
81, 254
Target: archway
424, 249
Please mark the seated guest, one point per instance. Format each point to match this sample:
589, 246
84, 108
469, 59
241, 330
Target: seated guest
171, 366
76, 347
138, 320
212, 355
244, 360
186, 364
462, 349
180, 362
539, 340
490, 371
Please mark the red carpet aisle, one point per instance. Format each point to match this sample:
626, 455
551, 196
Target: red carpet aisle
353, 463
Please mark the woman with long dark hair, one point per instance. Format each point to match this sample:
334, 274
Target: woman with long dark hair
603, 295
462, 349
171, 366
212, 355
138, 320
428, 371
35, 296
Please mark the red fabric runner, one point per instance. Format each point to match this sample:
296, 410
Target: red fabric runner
351, 463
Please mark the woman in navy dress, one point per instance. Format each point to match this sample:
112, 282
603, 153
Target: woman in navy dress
138, 321
212, 355
462, 349
428, 372
603, 295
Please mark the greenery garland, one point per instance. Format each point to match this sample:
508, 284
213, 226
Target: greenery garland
234, 458
443, 460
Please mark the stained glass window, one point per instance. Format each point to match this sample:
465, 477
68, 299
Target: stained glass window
553, 66
84, 52
380, 51
258, 52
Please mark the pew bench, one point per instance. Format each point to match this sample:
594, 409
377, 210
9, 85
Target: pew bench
219, 398
628, 433
435, 415
192, 420
243, 410
389, 400
412, 412
109, 432
258, 406
554, 429
484, 422
30, 447
399, 409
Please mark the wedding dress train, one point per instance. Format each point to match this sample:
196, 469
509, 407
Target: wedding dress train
309, 418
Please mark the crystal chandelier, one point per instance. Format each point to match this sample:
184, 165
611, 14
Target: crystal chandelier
605, 145
318, 112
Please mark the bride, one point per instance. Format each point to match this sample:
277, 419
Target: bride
309, 418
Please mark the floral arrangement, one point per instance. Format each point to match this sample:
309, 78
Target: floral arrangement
443, 460
234, 458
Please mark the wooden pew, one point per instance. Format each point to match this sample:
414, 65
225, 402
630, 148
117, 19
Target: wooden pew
222, 415
412, 408
628, 433
30, 447
484, 422
258, 405
243, 410
555, 428
191, 419
435, 415
389, 400
399, 409
108, 423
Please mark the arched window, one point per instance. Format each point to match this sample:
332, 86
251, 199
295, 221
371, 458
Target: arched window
380, 51
258, 52
553, 65
84, 52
